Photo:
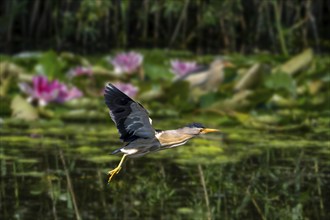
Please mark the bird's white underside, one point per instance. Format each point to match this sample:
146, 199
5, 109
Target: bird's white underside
129, 151
176, 145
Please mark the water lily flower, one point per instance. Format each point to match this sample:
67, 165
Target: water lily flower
80, 71
127, 88
44, 91
181, 68
127, 62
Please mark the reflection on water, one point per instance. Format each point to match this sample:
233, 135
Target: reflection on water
59, 172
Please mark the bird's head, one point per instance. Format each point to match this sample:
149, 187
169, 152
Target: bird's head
221, 63
197, 128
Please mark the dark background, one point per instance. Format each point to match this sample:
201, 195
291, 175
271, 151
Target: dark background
202, 26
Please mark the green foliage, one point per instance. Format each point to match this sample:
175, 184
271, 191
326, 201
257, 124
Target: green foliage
100, 25
172, 7
209, 17
51, 65
157, 72
208, 99
166, 98
177, 94
280, 82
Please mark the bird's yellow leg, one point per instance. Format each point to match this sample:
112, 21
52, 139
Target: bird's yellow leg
117, 169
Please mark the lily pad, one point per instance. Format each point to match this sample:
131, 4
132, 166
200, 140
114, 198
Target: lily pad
296, 63
279, 81
50, 64
21, 109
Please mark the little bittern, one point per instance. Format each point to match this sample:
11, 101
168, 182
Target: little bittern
134, 126
207, 78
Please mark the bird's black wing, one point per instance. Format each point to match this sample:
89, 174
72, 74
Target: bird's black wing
131, 119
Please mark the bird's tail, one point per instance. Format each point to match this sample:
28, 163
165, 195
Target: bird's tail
116, 151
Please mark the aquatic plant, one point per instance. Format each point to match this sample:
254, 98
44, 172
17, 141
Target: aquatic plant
127, 62
44, 91
127, 88
80, 71
181, 68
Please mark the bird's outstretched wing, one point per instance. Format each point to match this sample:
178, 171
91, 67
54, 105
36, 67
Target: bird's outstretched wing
131, 119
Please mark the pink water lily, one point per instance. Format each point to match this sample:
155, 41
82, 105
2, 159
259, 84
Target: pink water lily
127, 62
181, 68
80, 71
127, 88
45, 91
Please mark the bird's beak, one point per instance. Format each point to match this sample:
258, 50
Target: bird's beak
209, 130
228, 64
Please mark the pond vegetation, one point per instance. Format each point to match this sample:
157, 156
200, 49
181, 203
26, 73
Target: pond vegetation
270, 162
269, 95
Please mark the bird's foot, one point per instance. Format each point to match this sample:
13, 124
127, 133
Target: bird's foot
113, 172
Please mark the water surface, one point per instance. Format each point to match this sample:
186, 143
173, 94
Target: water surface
52, 170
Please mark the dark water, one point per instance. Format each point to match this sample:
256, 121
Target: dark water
52, 170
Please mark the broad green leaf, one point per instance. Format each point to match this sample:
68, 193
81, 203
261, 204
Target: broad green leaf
280, 81
296, 63
21, 109
50, 65
208, 99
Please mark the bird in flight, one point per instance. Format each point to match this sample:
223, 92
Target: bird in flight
135, 129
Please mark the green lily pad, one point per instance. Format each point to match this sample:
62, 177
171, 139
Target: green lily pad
21, 109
